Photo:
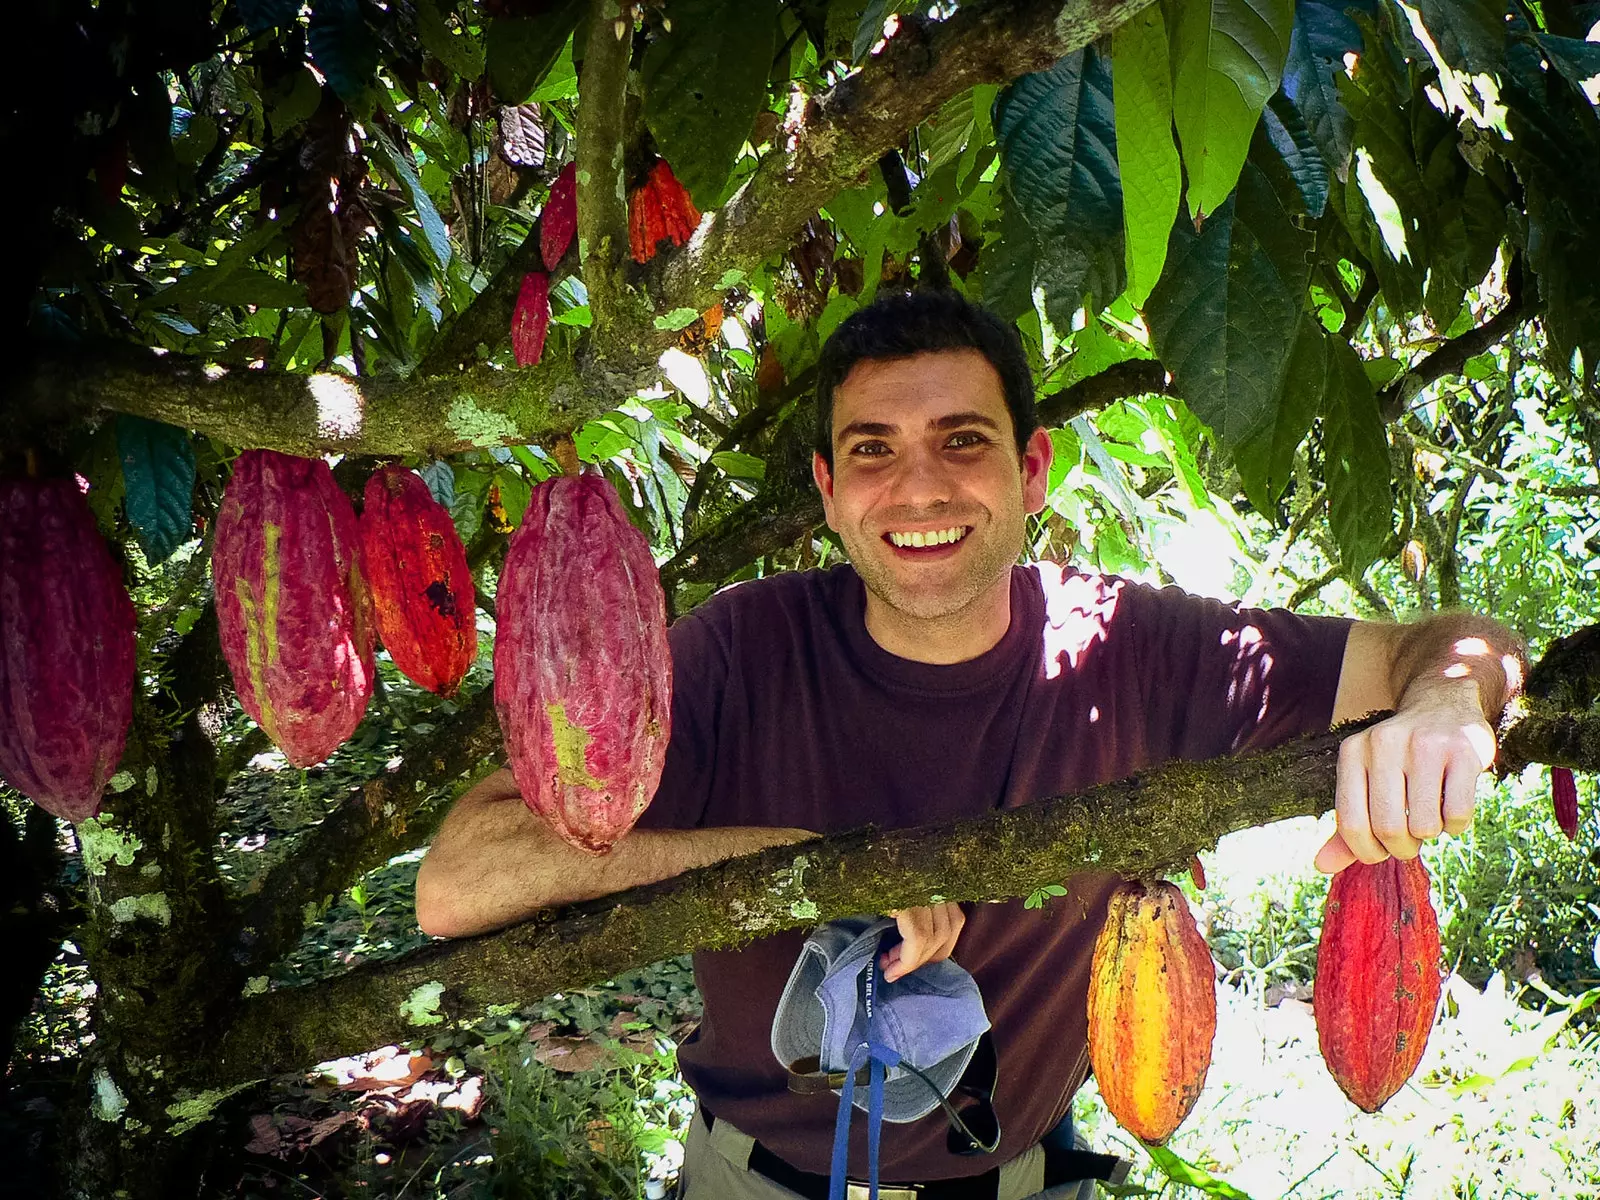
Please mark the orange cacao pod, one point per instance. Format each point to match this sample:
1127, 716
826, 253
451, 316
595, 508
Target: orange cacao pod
582, 673
1152, 1009
1378, 979
66, 649
416, 569
292, 605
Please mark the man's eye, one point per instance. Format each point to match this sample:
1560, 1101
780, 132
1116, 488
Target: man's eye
967, 440
869, 449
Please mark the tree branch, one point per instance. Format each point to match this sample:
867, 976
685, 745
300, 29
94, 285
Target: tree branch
1149, 824
1136, 377
602, 198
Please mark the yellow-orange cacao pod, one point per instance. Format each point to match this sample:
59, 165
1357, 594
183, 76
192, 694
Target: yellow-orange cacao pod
1152, 1009
1378, 978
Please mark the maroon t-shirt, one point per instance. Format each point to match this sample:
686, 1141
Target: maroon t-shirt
786, 712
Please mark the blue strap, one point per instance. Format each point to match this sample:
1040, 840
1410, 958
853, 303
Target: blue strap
879, 1058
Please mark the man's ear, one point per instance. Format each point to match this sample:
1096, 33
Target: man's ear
823, 474
1036, 459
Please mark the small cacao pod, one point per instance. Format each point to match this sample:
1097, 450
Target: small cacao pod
1152, 1009
531, 319
559, 221
1564, 796
416, 569
292, 606
1378, 979
66, 649
582, 672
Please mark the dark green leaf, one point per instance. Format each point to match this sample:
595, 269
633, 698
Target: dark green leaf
1147, 157
1227, 58
1266, 460
158, 473
1470, 34
1296, 152
261, 15
471, 492
1577, 61
520, 50
441, 480
1058, 143
1004, 278
342, 46
404, 172
869, 29
1323, 34
704, 83
1356, 460
461, 52
227, 285
1225, 316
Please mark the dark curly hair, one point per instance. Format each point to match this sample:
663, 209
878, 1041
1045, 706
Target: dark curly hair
900, 324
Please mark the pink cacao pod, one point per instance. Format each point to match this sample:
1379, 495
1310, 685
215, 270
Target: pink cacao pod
416, 568
66, 649
292, 605
1564, 797
582, 672
530, 320
559, 221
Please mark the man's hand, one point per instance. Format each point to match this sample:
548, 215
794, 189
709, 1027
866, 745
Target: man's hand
1409, 779
926, 935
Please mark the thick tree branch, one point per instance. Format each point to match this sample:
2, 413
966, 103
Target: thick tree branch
1150, 824
1450, 358
1136, 377
844, 131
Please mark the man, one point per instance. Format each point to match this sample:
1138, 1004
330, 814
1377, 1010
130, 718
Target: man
932, 679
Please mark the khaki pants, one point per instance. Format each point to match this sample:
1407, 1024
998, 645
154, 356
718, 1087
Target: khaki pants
715, 1167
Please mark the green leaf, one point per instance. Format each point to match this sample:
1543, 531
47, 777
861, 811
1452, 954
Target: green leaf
1225, 316
519, 51
404, 172
1266, 460
678, 318
1227, 58
158, 474
294, 103
1004, 278
1356, 453
1182, 1171
1058, 143
1470, 34
461, 52
1296, 153
343, 48
1578, 62
261, 15
704, 83
515, 492
1323, 34
441, 480
870, 27
229, 285
1152, 180
740, 466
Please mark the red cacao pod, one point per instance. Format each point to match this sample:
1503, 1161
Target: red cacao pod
292, 605
1378, 979
559, 221
582, 673
531, 319
660, 209
1152, 1009
66, 649
1564, 797
416, 570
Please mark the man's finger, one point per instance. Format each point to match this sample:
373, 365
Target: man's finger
1350, 802
1386, 806
1334, 856
1460, 791
1425, 795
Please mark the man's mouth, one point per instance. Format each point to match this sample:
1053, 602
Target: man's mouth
919, 539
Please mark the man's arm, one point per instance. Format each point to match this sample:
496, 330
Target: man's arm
1414, 776
494, 863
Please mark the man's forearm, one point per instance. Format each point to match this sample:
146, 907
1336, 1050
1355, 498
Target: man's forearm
1436, 658
494, 863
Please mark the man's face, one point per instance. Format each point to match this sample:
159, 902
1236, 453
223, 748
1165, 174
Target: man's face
924, 450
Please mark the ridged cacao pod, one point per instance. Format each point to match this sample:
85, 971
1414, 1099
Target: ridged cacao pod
582, 673
559, 221
1378, 979
530, 320
66, 649
1152, 1009
661, 208
1564, 798
292, 605
416, 570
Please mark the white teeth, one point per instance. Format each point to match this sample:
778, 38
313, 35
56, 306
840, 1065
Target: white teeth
937, 537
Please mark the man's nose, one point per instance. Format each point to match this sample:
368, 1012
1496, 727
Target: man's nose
922, 479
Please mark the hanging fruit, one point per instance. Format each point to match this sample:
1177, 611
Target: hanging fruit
1378, 979
659, 210
1152, 1009
559, 220
66, 649
1564, 797
530, 321
331, 183
582, 672
416, 568
293, 611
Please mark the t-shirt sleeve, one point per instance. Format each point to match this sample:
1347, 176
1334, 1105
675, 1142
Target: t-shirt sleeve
1216, 679
699, 678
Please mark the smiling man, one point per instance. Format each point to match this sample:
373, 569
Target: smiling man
935, 678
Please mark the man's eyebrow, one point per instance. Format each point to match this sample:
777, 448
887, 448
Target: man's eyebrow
958, 420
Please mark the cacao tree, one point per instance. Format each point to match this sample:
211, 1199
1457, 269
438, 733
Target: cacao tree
1322, 260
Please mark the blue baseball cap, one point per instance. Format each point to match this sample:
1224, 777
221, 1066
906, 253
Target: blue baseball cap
932, 1018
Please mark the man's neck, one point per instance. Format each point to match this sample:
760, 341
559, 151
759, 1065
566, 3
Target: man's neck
953, 638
